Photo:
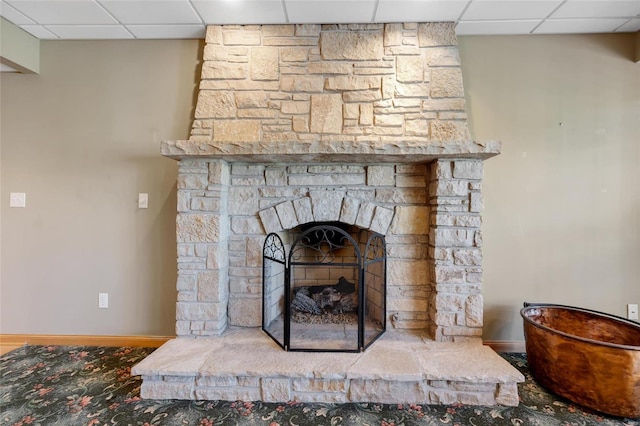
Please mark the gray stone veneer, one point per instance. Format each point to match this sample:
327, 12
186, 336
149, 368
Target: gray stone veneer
428, 213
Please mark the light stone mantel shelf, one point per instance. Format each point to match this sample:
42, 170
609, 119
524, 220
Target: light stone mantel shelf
334, 151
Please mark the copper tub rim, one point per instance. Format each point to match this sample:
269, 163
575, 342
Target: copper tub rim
529, 306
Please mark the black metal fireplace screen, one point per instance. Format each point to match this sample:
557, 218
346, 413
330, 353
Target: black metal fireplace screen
329, 293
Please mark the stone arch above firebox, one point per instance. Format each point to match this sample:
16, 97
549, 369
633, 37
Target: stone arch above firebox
327, 206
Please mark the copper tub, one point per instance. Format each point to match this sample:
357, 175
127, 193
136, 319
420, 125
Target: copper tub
589, 357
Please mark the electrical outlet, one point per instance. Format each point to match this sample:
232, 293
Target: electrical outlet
143, 200
103, 300
632, 311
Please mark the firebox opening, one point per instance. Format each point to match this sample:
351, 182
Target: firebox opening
328, 292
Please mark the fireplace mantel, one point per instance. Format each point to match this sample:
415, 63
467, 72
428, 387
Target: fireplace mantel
405, 151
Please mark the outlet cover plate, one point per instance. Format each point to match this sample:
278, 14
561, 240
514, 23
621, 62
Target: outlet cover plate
632, 311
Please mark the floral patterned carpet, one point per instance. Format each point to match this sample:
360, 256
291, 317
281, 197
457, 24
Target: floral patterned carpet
78, 385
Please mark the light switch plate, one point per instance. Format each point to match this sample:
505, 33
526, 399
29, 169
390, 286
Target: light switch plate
143, 200
17, 199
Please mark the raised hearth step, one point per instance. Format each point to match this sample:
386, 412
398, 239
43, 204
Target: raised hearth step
245, 364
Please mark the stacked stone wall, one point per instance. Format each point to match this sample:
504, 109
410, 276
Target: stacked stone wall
377, 83
237, 205
455, 249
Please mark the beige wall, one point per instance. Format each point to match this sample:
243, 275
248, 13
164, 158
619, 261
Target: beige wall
82, 139
562, 224
562, 201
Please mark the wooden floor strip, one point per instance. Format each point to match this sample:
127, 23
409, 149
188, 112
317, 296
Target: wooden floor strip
82, 340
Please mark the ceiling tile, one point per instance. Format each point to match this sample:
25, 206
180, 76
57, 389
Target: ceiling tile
630, 27
12, 15
63, 12
86, 32
330, 11
152, 11
577, 26
598, 9
167, 31
240, 11
496, 27
39, 31
419, 10
509, 9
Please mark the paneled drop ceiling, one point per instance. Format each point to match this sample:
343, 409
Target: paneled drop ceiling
175, 19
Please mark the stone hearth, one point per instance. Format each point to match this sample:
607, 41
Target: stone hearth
359, 124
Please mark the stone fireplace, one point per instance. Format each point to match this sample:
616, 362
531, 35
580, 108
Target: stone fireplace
362, 125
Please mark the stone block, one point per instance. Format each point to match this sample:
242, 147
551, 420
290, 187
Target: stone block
192, 181
467, 169
213, 34
186, 282
325, 67
449, 188
245, 312
303, 209
218, 256
446, 83
300, 124
217, 70
253, 255
437, 34
228, 394
219, 173
445, 237
326, 113
240, 38
442, 57
326, 205
287, 215
412, 304
251, 99
449, 275
448, 131
351, 83
410, 69
411, 90
213, 286
270, 221
236, 131
450, 302
318, 385
476, 203
301, 83
349, 210
387, 391
294, 54
215, 104
166, 390
366, 115
203, 228
277, 30
466, 257
362, 95
195, 311
243, 200
392, 120
474, 310
295, 107
411, 220
508, 394
275, 390
276, 176
365, 214
407, 272
457, 219
382, 218
417, 127
380, 175
392, 35
205, 204
352, 45
307, 30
